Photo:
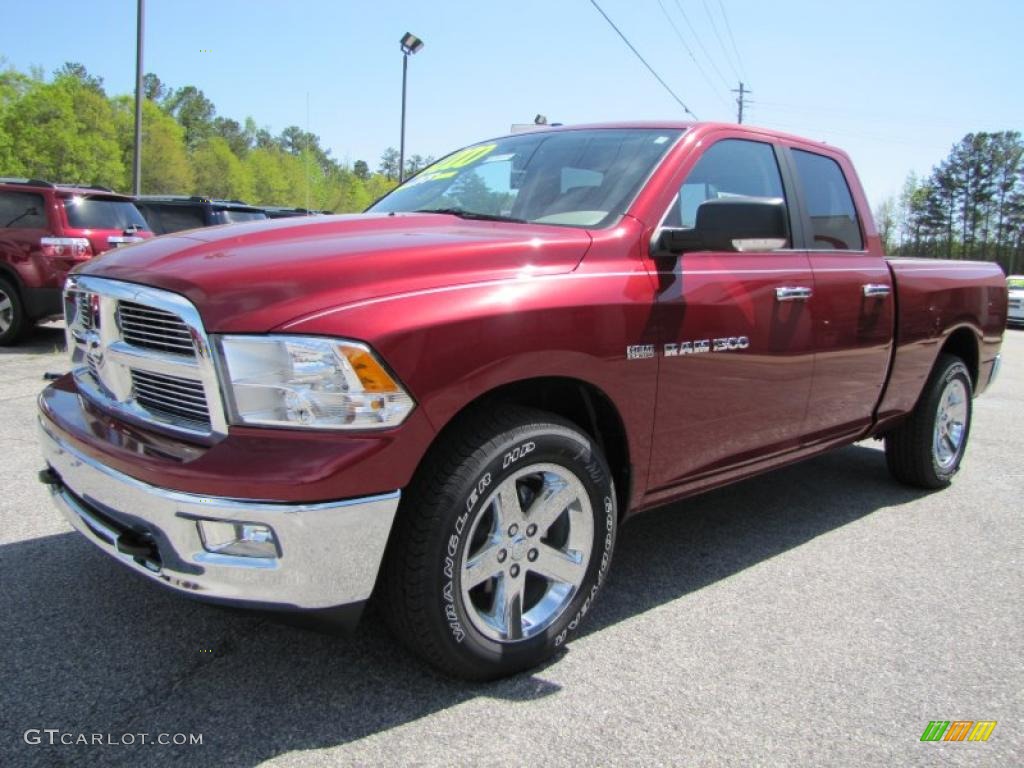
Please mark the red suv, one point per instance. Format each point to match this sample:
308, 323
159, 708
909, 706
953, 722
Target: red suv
45, 230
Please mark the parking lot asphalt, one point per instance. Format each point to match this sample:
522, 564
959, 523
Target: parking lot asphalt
818, 615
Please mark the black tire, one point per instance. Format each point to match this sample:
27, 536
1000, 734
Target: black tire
922, 451
12, 314
452, 512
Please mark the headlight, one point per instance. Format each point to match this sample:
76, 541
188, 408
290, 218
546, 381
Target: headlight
295, 381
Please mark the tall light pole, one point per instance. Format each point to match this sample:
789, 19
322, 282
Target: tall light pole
410, 45
137, 156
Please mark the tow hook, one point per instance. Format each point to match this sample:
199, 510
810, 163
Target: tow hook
49, 477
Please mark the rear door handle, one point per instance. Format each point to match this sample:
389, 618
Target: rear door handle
876, 289
793, 293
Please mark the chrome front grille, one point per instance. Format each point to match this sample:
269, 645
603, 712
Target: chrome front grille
84, 308
143, 354
171, 396
153, 328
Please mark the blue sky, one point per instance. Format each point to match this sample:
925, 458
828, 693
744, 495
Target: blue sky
894, 83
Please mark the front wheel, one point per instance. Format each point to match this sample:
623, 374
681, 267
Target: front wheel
927, 448
501, 546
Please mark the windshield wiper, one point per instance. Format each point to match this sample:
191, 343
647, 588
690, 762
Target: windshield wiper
462, 213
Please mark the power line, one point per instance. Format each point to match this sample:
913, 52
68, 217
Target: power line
642, 59
689, 50
718, 37
699, 43
728, 28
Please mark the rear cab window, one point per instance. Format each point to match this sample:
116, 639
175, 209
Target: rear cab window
102, 213
835, 224
235, 215
175, 218
22, 210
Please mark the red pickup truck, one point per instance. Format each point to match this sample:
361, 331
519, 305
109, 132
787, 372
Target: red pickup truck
454, 400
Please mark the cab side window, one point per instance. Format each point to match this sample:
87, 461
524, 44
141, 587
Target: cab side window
730, 168
834, 222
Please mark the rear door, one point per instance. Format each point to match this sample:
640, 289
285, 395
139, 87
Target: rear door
737, 349
852, 310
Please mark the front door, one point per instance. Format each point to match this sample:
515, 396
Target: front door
737, 343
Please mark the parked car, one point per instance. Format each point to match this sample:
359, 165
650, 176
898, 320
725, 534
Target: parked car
283, 212
1015, 285
455, 400
173, 213
45, 230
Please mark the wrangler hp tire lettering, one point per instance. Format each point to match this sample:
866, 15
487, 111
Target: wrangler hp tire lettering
501, 545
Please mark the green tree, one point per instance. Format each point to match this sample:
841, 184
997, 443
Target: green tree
165, 164
153, 88
219, 173
233, 134
885, 220
194, 112
389, 164
73, 70
64, 131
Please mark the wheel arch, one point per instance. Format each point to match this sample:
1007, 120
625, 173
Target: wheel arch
963, 342
584, 404
10, 275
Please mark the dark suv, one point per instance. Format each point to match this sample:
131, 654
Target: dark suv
173, 213
45, 230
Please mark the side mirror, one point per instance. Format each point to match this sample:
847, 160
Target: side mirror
730, 224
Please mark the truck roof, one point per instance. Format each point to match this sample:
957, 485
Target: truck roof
687, 125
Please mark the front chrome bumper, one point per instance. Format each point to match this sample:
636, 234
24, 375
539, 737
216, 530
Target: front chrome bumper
328, 553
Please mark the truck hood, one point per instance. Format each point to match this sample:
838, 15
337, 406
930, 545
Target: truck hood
256, 276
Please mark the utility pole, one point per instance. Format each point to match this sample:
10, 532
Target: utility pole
742, 91
137, 150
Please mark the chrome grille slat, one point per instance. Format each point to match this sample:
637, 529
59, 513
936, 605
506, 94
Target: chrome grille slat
152, 328
152, 391
187, 387
162, 407
155, 322
159, 325
159, 405
132, 335
143, 353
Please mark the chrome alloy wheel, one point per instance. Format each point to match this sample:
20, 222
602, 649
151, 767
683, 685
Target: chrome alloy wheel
6, 311
950, 424
527, 553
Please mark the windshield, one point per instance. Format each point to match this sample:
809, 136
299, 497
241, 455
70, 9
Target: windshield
229, 216
97, 213
583, 178
1015, 283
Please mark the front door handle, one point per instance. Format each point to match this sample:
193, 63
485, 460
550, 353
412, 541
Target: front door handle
876, 289
792, 293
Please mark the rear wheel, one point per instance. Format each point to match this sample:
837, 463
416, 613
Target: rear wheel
12, 314
927, 448
501, 545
